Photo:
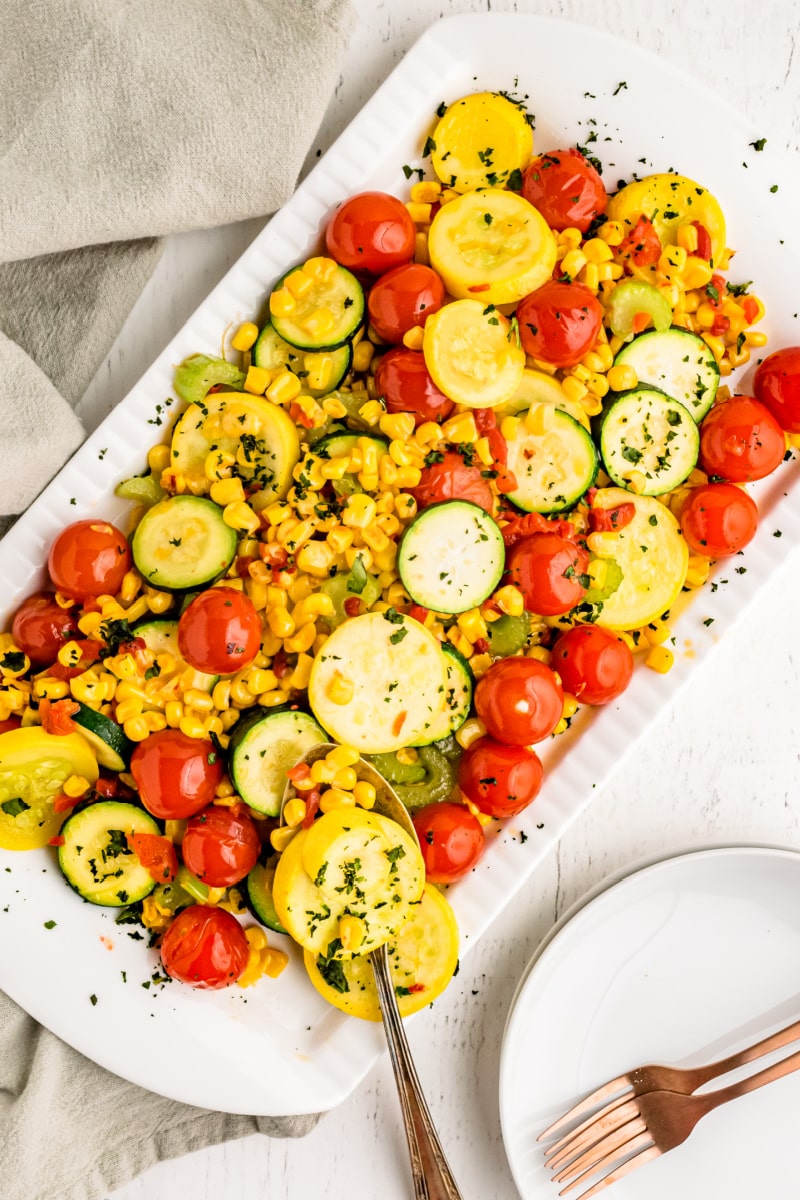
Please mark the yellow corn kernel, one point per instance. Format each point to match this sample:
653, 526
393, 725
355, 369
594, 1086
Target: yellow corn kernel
319, 369
322, 771
320, 322
374, 537
510, 600
371, 412
282, 303
245, 336
413, 338
50, 689
686, 236
173, 711
420, 212
460, 428
597, 250
620, 379
158, 458
426, 192
359, 512
342, 756
345, 778
274, 962
659, 658
155, 721
299, 283
755, 339
656, 633
129, 708
227, 491
130, 586
612, 232
362, 355
221, 695
341, 690
158, 602
87, 688
573, 262
317, 604
472, 625
364, 794
284, 388
574, 389
90, 623
239, 515
279, 838
697, 571
70, 654
362, 552
405, 506
636, 481
294, 812
316, 558
321, 269
352, 932
408, 477
335, 798
257, 380
198, 699
192, 726
570, 707
470, 731
302, 641
715, 345
75, 785
136, 729
697, 272
397, 425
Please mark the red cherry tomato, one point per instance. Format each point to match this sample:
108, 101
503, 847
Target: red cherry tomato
777, 385
176, 775
404, 298
41, 627
718, 519
565, 188
595, 665
372, 232
219, 847
452, 479
220, 631
205, 947
550, 571
406, 386
451, 839
519, 700
740, 440
501, 780
559, 322
89, 558
10, 723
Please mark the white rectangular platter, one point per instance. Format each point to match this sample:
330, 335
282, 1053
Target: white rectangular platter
277, 1048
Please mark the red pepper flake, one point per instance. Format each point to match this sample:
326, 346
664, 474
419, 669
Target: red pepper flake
415, 989
352, 606
58, 840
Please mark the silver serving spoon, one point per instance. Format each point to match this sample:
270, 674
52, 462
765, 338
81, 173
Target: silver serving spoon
433, 1179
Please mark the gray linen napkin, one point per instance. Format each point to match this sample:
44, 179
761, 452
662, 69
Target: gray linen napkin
122, 121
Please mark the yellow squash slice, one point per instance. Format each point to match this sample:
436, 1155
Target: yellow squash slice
669, 201
491, 246
422, 958
260, 436
652, 555
480, 140
472, 354
34, 766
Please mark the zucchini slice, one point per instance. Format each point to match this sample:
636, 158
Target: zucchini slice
328, 313
378, 682
183, 542
108, 742
472, 354
263, 750
261, 437
257, 893
338, 445
319, 372
538, 388
494, 240
650, 552
648, 437
679, 363
554, 465
451, 557
161, 637
95, 858
457, 697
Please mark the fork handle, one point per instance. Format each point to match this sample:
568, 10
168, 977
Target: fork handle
785, 1067
783, 1037
433, 1179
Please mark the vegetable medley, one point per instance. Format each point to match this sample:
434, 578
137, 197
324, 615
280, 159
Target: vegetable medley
444, 496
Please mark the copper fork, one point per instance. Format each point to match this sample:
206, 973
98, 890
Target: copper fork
639, 1130
655, 1078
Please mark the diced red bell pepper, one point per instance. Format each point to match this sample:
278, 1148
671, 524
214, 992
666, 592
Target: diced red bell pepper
57, 716
642, 246
610, 520
156, 854
703, 241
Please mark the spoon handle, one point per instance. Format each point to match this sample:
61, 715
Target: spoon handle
433, 1179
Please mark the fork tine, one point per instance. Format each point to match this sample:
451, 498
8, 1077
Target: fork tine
584, 1106
600, 1150
586, 1131
637, 1146
638, 1160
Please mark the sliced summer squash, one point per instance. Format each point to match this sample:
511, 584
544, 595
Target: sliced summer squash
479, 141
34, 766
553, 459
472, 354
319, 372
678, 362
107, 740
451, 557
96, 859
648, 441
457, 698
536, 387
183, 542
669, 201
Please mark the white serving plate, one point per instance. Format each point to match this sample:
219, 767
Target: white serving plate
278, 1048
681, 962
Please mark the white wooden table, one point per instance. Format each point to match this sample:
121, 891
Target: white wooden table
721, 767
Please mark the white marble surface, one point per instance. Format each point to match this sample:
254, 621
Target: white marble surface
720, 767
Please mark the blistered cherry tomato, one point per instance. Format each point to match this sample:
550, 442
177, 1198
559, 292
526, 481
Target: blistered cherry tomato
501, 780
565, 188
404, 298
219, 847
594, 664
740, 440
205, 947
519, 700
777, 385
371, 232
41, 627
718, 519
550, 571
176, 775
404, 381
451, 839
220, 631
559, 322
452, 479
89, 558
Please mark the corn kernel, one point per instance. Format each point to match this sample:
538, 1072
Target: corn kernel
274, 962
294, 812
364, 794
284, 388
299, 283
612, 232
279, 838
227, 491
697, 272
419, 212
659, 658
470, 731
282, 303
321, 269
245, 336
257, 380
136, 729
192, 726
352, 932
75, 785
510, 600
697, 571
158, 458
622, 378
755, 339
239, 515
359, 512
335, 798
371, 412
341, 690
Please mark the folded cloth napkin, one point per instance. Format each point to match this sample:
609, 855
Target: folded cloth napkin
122, 121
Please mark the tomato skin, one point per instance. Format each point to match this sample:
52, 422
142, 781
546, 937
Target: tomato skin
548, 568
41, 627
452, 479
740, 440
219, 847
559, 322
777, 386
451, 839
371, 232
718, 519
89, 558
404, 381
565, 188
176, 775
205, 947
595, 665
519, 700
500, 780
220, 631
403, 299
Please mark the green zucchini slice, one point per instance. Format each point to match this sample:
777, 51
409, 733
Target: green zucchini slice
451, 557
553, 467
647, 432
110, 746
341, 295
257, 893
95, 858
679, 363
183, 542
272, 352
262, 751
